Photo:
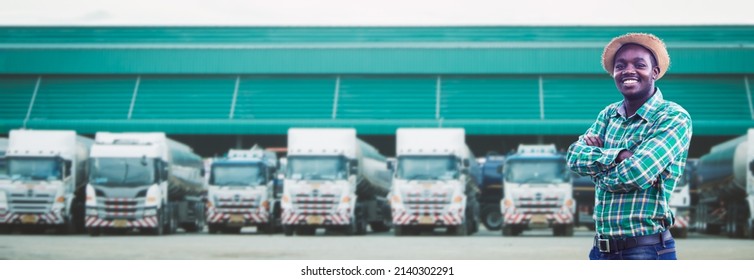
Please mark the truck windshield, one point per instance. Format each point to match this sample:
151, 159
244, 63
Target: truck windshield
317, 168
35, 168
3, 168
542, 171
427, 168
236, 175
122, 171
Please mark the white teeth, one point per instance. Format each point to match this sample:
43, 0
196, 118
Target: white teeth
630, 82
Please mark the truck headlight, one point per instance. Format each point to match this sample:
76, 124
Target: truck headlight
91, 196
3, 201
154, 197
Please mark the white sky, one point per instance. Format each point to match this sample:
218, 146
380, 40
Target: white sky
375, 12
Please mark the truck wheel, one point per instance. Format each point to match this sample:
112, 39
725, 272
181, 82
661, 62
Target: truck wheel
361, 226
568, 230
288, 230
213, 229
68, 227
94, 231
232, 230
381, 226
492, 219
509, 230
160, 228
677, 232
399, 230
712, 229
305, 230
460, 230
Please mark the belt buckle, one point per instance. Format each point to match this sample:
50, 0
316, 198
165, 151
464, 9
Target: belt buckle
603, 245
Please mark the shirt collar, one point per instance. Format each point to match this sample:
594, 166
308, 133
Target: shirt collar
648, 110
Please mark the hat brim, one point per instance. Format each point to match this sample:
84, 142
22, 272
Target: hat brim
649, 41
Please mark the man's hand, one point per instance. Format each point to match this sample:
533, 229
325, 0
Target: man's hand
594, 141
624, 154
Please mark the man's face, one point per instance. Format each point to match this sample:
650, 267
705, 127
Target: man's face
634, 72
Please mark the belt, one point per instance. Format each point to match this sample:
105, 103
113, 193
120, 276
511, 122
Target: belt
607, 245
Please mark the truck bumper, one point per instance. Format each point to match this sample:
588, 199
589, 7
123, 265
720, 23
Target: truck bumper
316, 219
437, 219
237, 218
532, 218
50, 218
97, 222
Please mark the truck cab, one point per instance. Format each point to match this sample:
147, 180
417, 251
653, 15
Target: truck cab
335, 181
435, 184
45, 178
242, 192
538, 191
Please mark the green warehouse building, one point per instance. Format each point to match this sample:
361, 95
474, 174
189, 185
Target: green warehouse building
222, 87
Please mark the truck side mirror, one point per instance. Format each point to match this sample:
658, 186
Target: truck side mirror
466, 163
354, 167
751, 166
390, 165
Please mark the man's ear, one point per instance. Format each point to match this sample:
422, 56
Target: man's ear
655, 72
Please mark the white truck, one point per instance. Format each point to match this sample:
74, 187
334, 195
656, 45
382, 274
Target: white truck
143, 181
435, 183
3, 162
242, 192
334, 181
726, 188
680, 202
45, 188
538, 191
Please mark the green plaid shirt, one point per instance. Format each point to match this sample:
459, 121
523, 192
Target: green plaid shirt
632, 197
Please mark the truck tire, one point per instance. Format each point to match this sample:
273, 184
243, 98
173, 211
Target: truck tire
94, 231
399, 230
568, 230
460, 230
509, 230
232, 230
68, 227
679, 232
288, 230
160, 228
305, 230
213, 228
491, 217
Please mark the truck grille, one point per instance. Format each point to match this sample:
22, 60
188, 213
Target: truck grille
549, 204
34, 203
122, 207
427, 203
236, 204
315, 204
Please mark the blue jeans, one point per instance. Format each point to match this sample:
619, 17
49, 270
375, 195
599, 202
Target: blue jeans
649, 252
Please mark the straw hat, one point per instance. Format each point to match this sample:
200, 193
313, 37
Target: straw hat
649, 41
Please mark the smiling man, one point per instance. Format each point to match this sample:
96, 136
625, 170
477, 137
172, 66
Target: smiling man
635, 153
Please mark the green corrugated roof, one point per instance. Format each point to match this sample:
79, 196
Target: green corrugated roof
483, 104
285, 97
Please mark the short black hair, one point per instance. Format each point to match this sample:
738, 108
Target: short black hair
651, 54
